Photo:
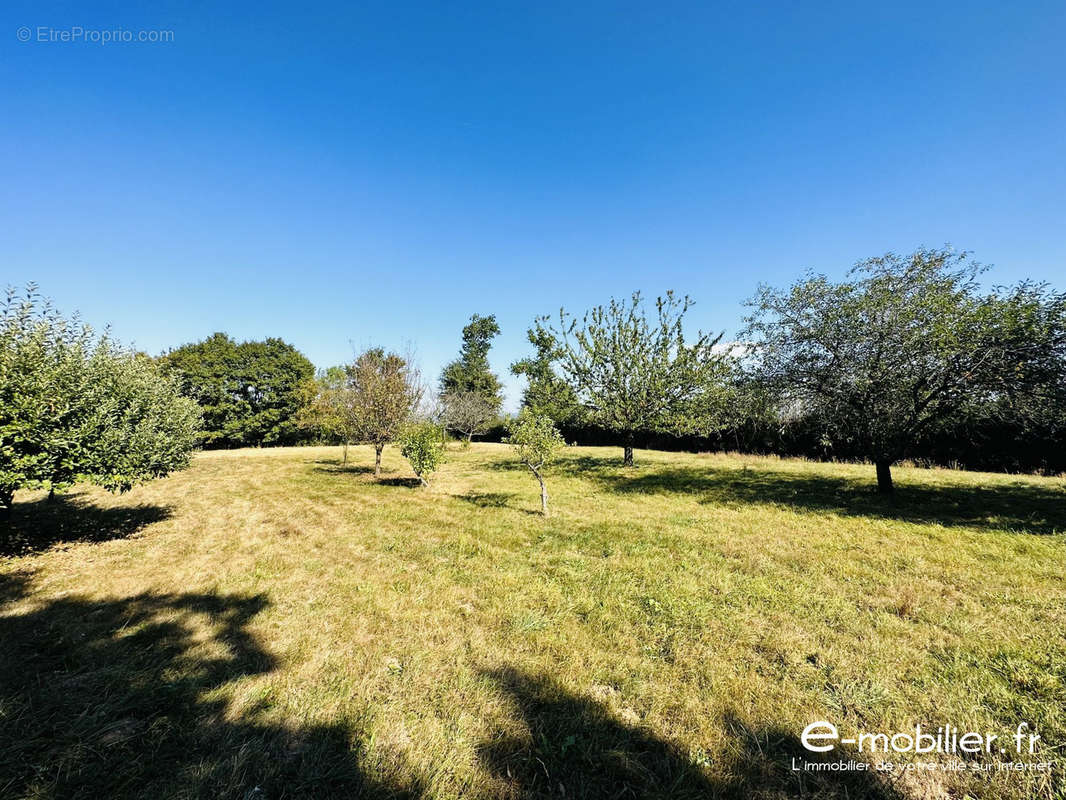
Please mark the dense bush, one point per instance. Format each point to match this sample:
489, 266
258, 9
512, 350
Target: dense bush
76, 406
251, 393
422, 444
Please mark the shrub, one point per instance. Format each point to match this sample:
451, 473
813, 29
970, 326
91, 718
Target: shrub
76, 406
422, 443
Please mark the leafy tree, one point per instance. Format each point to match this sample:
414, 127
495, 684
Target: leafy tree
633, 376
535, 441
466, 413
903, 345
1030, 336
76, 406
546, 392
470, 372
250, 392
422, 443
329, 409
384, 391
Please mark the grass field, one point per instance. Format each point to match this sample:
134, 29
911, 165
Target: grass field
272, 624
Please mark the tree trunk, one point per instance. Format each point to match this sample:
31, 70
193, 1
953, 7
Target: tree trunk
884, 476
627, 456
543, 490
7, 499
377, 460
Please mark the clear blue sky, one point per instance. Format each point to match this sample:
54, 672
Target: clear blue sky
376, 172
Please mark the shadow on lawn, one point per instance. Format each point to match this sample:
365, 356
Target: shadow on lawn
573, 748
1022, 508
487, 499
37, 525
508, 500
114, 699
336, 466
120, 699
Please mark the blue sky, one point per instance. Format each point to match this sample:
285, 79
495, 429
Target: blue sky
374, 173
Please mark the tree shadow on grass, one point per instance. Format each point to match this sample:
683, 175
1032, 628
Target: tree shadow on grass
14, 585
410, 483
487, 499
336, 467
119, 699
573, 747
495, 500
1023, 508
30, 527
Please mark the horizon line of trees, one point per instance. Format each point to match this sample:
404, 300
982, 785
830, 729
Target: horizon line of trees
907, 357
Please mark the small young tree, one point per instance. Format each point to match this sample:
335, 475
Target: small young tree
385, 391
535, 440
632, 376
422, 443
466, 414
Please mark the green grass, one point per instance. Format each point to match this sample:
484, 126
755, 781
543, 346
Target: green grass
272, 624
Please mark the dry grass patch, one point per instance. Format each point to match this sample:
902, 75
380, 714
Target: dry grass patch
271, 623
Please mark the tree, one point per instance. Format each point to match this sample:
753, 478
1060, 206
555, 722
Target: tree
385, 390
546, 392
76, 406
250, 393
422, 443
470, 372
328, 407
1030, 336
632, 376
904, 344
535, 441
466, 413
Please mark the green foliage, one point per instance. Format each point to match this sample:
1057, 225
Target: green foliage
534, 439
422, 444
634, 376
365, 401
76, 406
546, 392
250, 393
325, 408
1030, 342
904, 345
470, 372
383, 391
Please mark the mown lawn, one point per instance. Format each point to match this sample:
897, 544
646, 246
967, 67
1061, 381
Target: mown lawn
272, 624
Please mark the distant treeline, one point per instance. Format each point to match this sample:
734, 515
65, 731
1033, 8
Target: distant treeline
908, 358
987, 445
